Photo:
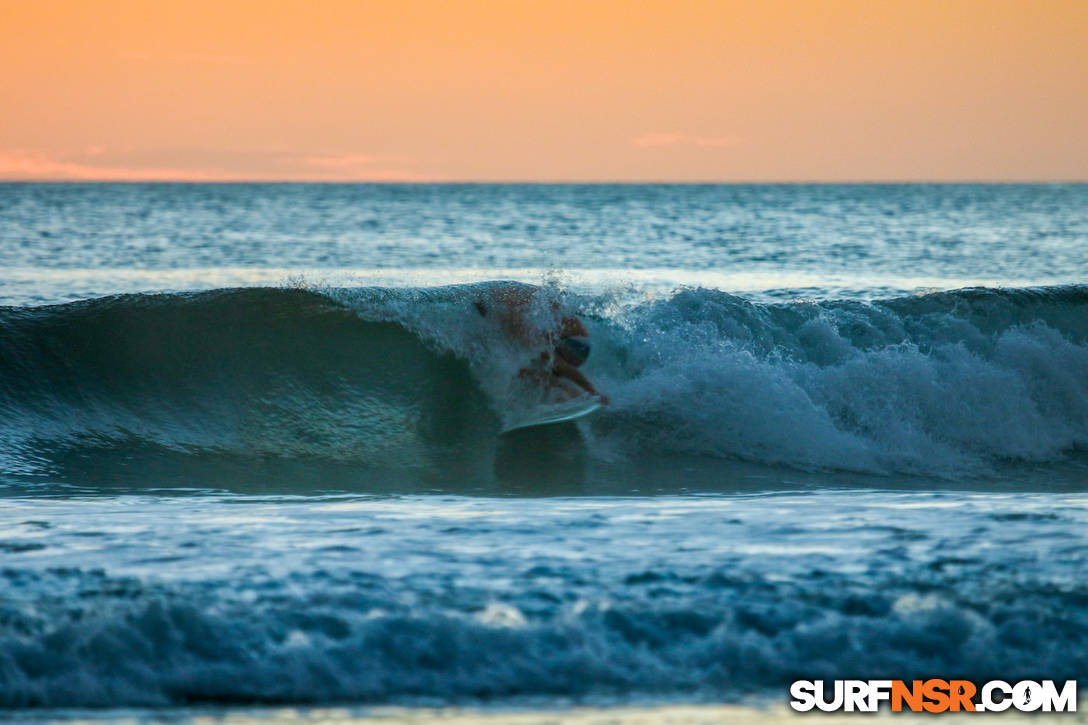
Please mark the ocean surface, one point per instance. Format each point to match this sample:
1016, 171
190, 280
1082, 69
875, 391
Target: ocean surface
250, 450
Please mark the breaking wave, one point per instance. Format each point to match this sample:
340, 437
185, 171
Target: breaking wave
406, 384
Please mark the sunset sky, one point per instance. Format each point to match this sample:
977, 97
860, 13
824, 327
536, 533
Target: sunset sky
408, 90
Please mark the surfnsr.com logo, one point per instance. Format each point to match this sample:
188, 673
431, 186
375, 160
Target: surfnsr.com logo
933, 696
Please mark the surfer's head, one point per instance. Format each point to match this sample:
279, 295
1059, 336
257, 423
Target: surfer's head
573, 350
571, 326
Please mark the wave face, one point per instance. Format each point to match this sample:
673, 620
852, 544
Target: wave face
233, 376
407, 386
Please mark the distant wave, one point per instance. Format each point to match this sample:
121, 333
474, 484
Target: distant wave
406, 384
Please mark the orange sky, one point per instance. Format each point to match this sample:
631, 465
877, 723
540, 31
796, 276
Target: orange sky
586, 90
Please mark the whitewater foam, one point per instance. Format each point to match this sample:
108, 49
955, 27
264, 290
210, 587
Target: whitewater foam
468, 600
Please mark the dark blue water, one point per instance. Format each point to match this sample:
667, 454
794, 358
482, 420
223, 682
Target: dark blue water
250, 449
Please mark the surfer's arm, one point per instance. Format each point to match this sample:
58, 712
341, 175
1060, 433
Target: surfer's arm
565, 370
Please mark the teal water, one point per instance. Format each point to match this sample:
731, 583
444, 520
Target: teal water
250, 450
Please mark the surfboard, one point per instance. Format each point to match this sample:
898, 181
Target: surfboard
556, 413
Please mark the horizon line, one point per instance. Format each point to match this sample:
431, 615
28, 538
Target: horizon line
556, 182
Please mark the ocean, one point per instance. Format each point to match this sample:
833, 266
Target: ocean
250, 450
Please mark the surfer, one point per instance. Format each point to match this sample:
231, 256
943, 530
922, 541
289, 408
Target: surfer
568, 339
571, 352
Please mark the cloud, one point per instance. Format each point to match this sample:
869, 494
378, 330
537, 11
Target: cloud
340, 161
653, 140
209, 58
27, 166
91, 166
212, 58
138, 55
